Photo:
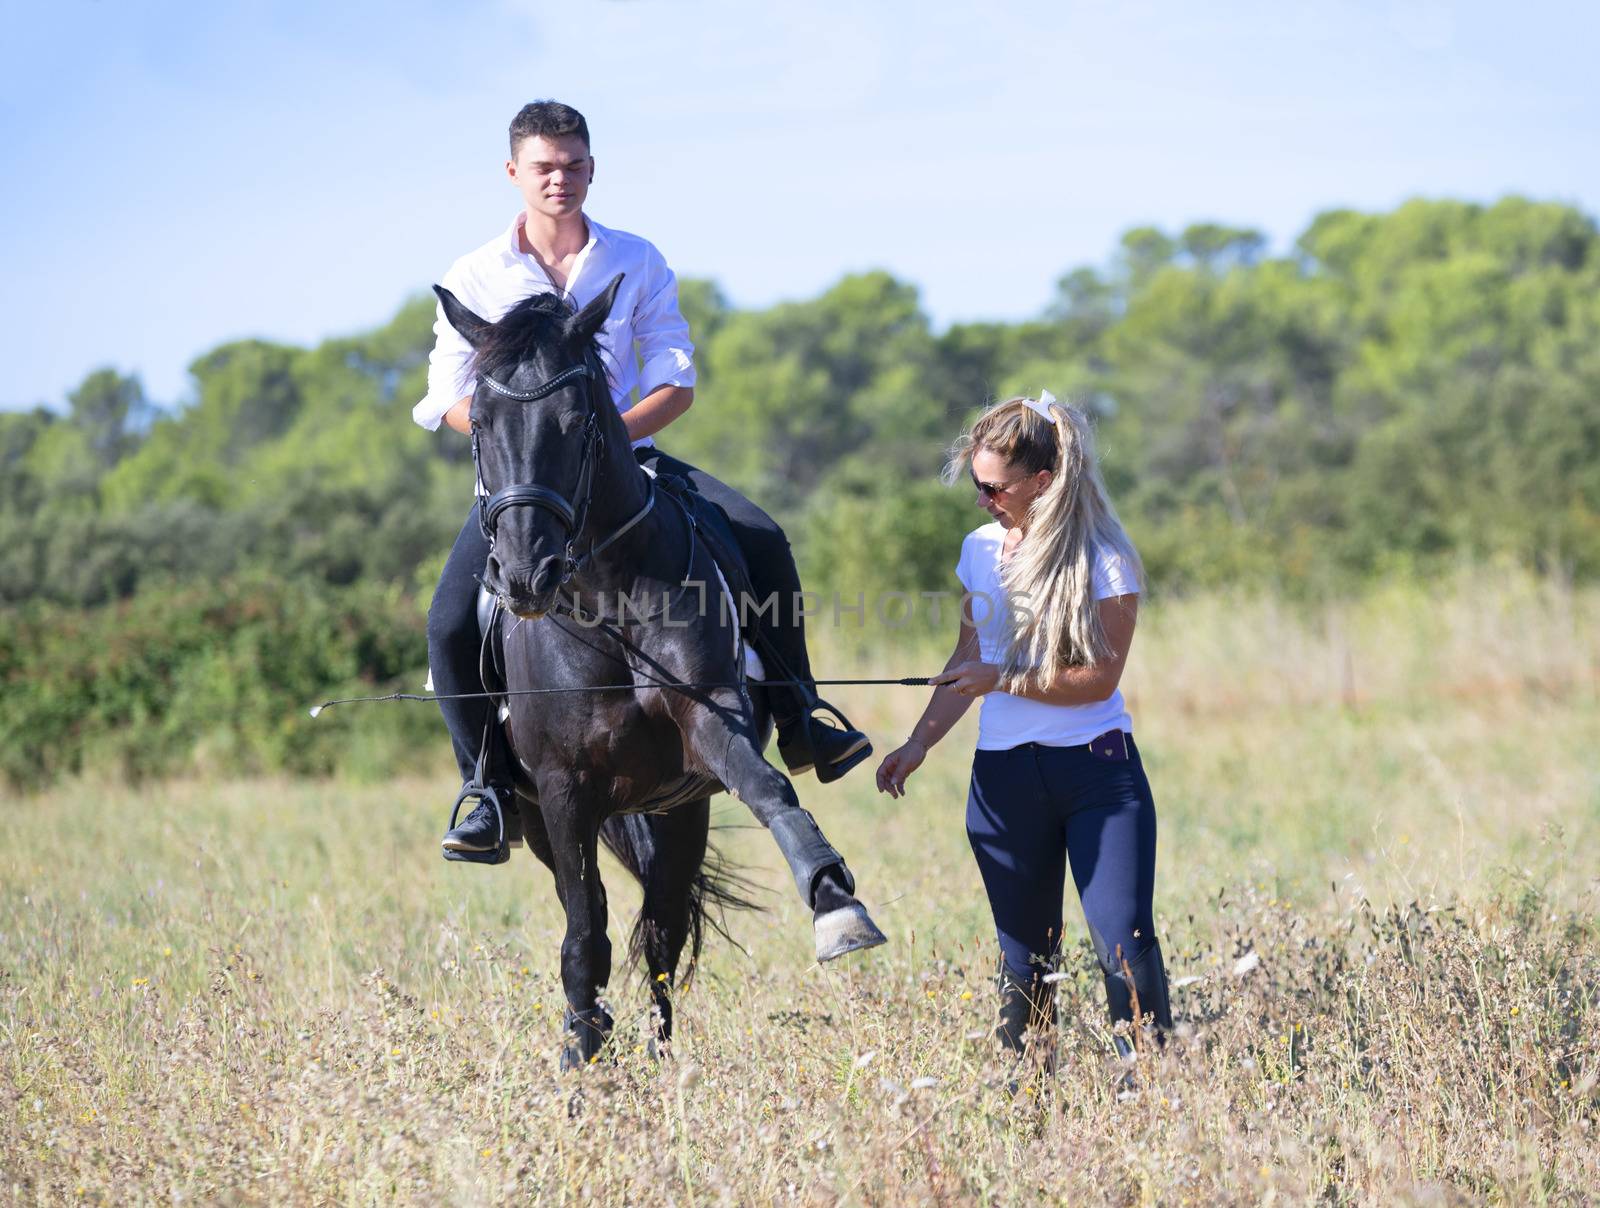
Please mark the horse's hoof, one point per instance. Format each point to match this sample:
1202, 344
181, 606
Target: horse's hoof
847, 929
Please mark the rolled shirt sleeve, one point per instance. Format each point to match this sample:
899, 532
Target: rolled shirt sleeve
666, 353
448, 378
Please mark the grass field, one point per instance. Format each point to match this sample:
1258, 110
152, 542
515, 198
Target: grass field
1377, 891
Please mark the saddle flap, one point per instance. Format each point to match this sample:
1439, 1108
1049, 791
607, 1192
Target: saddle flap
494, 676
715, 531
486, 603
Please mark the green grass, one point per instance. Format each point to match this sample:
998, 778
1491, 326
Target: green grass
275, 991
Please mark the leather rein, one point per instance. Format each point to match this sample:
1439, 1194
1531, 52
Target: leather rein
529, 494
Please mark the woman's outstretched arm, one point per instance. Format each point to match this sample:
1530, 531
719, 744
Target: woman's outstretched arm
945, 708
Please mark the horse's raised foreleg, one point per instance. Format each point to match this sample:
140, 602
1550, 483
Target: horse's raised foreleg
667, 917
585, 951
840, 921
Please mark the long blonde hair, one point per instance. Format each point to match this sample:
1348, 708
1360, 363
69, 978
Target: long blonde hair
1055, 619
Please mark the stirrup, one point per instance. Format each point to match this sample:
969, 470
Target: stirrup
803, 750
828, 773
486, 794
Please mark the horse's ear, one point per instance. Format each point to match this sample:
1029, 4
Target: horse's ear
471, 328
586, 322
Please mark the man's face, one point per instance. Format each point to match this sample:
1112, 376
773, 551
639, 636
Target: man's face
552, 174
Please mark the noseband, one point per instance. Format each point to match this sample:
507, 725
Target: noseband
529, 494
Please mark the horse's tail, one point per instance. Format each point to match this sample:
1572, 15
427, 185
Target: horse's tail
718, 887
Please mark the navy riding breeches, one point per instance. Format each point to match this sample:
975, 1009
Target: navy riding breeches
1032, 810
454, 645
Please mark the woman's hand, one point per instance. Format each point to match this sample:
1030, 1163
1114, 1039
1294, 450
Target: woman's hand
970, 678
898, 764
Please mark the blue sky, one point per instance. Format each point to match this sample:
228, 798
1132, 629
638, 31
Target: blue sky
179, 174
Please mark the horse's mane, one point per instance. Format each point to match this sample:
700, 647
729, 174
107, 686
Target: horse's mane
508, 341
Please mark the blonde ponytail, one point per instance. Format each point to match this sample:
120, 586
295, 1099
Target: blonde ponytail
1055, 619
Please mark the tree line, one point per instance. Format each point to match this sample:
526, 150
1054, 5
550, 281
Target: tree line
1394, 391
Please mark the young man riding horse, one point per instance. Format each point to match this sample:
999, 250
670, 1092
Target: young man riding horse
553, 246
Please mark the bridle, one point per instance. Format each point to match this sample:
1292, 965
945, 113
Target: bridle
530, 494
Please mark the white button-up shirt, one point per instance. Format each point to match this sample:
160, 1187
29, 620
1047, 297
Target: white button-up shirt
498, 275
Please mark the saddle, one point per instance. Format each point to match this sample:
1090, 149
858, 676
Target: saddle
715, 531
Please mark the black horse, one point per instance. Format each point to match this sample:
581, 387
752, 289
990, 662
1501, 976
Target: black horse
606, 587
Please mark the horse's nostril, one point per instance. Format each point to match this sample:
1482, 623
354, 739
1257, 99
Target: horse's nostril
546, 576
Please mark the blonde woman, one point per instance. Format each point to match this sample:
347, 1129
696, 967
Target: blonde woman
1052, 595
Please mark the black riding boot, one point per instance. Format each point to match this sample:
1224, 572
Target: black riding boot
491, 830
487, 834
1143, 981
1027, 1008
806, 740
455, 653
494, 827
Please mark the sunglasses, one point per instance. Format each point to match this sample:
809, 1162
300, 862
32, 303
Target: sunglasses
993, 489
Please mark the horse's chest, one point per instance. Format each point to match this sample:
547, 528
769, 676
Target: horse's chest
625, 751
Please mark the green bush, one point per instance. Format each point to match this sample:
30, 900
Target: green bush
214, 677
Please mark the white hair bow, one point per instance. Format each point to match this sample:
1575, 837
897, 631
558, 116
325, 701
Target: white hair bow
1042, 404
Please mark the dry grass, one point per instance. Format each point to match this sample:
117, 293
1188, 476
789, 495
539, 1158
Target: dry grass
277, 992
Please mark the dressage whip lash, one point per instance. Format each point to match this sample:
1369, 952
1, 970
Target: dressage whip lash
910, 681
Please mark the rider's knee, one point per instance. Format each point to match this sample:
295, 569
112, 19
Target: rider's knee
768, 551
452, 616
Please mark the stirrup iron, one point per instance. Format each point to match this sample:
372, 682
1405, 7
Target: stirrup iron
486, 794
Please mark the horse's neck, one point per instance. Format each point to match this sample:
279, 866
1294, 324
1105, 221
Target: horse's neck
650, 552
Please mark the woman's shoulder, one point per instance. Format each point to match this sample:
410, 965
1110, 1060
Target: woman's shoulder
1115, 573
980, 549
991, 534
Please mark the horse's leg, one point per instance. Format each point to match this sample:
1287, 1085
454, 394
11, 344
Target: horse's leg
727, 745
534, 832
666, 918
574, 830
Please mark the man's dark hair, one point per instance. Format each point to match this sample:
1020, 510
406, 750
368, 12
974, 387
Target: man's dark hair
547, 119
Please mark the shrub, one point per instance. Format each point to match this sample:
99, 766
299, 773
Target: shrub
211, 676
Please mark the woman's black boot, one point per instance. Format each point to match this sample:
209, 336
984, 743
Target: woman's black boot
1027, 1017
1138, 991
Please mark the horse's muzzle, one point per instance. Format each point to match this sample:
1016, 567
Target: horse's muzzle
526, 593
528, 608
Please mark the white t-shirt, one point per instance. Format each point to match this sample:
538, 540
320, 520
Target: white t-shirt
1005, 720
